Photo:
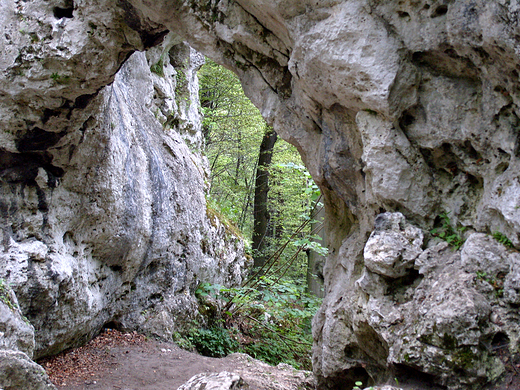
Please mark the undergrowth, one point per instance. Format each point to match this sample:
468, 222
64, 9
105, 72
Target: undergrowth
5, 297
502, 238
270, 321
446, 232
214, 213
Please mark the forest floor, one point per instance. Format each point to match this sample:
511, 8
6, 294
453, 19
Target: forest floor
130, 361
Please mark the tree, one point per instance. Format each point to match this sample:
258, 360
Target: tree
256, 181
233, 129
261, 213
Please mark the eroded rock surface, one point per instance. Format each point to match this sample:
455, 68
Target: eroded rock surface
395, 107
399, 107
215, 381
17, 370
102, 202
251, 374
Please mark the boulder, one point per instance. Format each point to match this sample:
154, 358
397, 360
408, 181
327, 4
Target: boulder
16, 333
215, 381
18, 371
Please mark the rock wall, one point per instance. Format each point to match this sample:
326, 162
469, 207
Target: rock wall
102, 201
405, 113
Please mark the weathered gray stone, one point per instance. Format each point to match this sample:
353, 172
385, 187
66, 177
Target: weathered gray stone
115, 229
393, 246
18, 371
260, 375
215, 381
16, 333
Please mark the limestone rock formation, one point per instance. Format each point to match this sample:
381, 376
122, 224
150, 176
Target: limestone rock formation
103, 211
396, 107
250, 373
17, 370
408, 107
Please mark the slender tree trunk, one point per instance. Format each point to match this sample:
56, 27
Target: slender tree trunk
260, 208
315, 261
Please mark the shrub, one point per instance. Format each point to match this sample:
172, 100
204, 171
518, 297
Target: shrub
272, 320
214, 342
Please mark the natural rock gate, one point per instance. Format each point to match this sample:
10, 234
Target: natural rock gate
405, 112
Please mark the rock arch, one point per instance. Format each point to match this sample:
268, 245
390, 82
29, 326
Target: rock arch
405, 113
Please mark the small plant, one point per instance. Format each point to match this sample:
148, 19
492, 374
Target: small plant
158, 67
214, 342
59, 78
358, 385
447, 233
308, 244
496, 282
216, 213
5, 296
183, 342
273, 320
502, 238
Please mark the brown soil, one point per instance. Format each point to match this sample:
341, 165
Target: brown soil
130, 361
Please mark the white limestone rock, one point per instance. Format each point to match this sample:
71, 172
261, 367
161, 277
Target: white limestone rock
114, 228
393, 246
16, 333
18, 371
215, 381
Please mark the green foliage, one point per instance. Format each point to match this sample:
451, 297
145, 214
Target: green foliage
295, 195
358, 385
183, 341
182, 93
447, 233
502, 238
233, 129
273, 318
59, 79
496, 281
214, 341
315, 246
5, 297
158, 67
214, 213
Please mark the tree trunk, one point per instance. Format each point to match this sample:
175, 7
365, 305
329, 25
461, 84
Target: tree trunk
260, 208
315, 261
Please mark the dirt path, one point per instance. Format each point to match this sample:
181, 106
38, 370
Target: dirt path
130, 361
119, 361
